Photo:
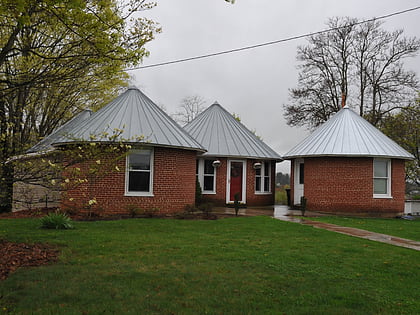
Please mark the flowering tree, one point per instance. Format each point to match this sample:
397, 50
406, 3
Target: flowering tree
78, 165
57, 57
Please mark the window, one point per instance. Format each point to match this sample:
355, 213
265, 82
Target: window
263, 178
301, 173
139, 173
381, 178
206, 175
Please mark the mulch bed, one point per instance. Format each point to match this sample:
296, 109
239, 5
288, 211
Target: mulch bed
16, 255
41, 212
31, 213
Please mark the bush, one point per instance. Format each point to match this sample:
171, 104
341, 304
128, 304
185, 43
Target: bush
152, 212
134, 210
56, 220
198, 193
281, 195
207, 208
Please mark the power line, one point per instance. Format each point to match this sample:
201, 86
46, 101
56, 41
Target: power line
270, 42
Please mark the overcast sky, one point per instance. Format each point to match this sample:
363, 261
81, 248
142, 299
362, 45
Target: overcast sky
253, 84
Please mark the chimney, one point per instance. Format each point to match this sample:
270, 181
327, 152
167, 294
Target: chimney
343, 100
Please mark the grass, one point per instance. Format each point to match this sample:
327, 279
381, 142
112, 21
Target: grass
395, 227
281, 195
255, 265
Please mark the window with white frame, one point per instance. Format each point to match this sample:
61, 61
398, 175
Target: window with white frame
206, 175
263, 178
381, 178
139, 173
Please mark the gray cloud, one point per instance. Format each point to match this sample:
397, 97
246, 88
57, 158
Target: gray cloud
253, 84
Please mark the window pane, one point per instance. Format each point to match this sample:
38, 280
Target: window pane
139, 160
301, 173
380, 168
258, 171
266, 168
209, 183
257, 183
139, 181
380, 186
197, 163
266, 183
208, 167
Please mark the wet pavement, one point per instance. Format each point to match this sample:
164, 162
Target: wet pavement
283, 213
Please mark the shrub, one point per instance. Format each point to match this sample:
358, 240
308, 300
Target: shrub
56, 220
190, 209
207, 208
303, 202
281, 195
236, 203
198, 193
152, 212
134, 210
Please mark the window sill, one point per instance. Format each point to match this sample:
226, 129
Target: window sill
263, 193
208, 192
138, 194
382, 197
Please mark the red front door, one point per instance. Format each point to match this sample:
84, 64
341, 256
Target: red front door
236, 171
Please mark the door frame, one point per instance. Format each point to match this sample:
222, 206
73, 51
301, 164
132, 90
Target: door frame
298, 189
228, 171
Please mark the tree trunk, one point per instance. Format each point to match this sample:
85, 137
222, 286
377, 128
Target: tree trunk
6, 170
6, 187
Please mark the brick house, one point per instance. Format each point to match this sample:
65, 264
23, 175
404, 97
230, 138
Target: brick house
347, 166
236, 161
156, 174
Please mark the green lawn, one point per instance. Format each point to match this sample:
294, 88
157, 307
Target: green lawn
395, 227
255, 265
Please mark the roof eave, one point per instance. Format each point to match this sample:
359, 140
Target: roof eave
277, 159
60, 144
290, 157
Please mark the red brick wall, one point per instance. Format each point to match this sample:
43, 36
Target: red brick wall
345, 186
173, 186
252, 199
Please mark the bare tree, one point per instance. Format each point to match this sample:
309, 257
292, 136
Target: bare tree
190, 107
361, 62
404, 128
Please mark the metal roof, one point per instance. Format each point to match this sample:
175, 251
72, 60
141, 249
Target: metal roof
222, 135
45, 144
130, 116
347, 134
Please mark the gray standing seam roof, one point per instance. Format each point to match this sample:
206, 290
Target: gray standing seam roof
348, 134
222, 135
132, 115
46, 143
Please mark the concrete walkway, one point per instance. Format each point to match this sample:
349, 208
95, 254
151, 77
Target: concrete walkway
283, 213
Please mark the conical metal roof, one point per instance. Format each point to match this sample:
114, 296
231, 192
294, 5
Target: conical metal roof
133, 118
222, 135
45, 144
347, 134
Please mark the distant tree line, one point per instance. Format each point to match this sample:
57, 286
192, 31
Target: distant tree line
282, 179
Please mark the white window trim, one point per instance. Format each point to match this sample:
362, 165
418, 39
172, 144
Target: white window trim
262, 176
200, 176
388, 195
127, 170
